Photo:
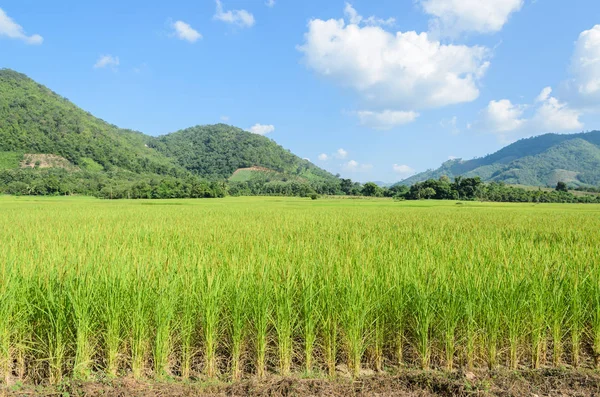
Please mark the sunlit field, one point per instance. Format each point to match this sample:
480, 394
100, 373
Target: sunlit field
248, 287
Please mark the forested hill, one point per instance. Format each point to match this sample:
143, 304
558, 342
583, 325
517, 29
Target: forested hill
35, 120
217, 151
539, 161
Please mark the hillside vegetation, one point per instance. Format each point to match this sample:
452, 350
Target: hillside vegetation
539, 161
98, 158
217, 151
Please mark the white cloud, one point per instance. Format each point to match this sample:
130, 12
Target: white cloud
502, 116
585, 66
225, 118
355, 166
354, 18
403, 170
452, 157
450, 124
107, 61
341, 154
386, 119
554, 116
270, 3
12, 30
399, 71
306, 158
262, 129
323, 157
241, 18
548, 114
453, 17
544, 95
184, 31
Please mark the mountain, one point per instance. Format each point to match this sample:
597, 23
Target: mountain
539, 161
33, 119
40, 129
217, 151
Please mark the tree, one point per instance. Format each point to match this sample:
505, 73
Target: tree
562, 187
428, 192
371, 189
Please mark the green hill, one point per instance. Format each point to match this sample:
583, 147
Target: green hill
44, 136
217, 151
539, 161
33, 119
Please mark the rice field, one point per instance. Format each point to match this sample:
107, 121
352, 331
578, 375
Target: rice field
250, 287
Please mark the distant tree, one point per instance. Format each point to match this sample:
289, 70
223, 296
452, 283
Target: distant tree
371, 189
428, 192
562, 187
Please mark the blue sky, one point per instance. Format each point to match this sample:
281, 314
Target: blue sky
373, 90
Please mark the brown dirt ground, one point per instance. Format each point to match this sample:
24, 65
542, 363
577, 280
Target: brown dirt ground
548, 382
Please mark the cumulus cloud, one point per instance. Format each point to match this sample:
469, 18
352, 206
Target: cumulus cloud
585, 67
241, 18
261, 129
184, 31
341, 154
9, 28
270, 3
403, 170
353, 17
548, 114
502, 116
385, 120
107, 61
453, 17
225, 118
403, 70
323, 157
355, 166
544, 95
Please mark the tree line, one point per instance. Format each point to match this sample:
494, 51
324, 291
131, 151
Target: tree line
122, 184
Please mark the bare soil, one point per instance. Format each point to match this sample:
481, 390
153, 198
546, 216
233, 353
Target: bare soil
46, 161
547, 382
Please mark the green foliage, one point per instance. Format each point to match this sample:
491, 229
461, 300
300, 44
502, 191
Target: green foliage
561, 187
34, 119
539, 161
217, 151
206, 291
475, 189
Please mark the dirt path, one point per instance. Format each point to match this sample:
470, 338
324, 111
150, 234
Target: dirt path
410, 383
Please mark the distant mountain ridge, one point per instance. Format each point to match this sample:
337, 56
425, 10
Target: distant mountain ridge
35, 120
543, 160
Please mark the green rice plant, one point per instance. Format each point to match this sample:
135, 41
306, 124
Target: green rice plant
286, 317
139, 325
309, 316
8, 319
113, 298
82, 301
187, 324
261, 309
423, 315
245, 286
52, 316
513, 315
448, 317
211, 297
237, 304
329, 306
165, 304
